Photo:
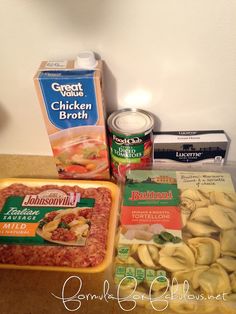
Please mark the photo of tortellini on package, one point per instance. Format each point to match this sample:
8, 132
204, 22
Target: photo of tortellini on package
197, 275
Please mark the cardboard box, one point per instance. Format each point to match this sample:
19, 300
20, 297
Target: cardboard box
192, 147
72, 105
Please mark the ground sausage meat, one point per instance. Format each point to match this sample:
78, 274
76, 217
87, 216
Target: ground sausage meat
91, 254
62, 234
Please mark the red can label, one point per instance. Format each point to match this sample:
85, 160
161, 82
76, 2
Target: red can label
129, 152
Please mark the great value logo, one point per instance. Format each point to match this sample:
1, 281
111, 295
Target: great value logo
70, 90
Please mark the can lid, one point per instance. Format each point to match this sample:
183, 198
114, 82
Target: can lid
130, 121
86, 60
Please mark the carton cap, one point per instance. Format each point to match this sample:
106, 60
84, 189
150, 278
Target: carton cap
86, 60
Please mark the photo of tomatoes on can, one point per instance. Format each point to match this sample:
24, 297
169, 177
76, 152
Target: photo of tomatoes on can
130, 140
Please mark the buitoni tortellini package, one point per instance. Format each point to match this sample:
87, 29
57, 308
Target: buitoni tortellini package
176, 247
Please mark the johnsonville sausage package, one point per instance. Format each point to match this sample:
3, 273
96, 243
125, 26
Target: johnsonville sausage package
70, 94
57, 225
176, 247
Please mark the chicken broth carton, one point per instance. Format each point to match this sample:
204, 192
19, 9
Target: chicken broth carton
70, 94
